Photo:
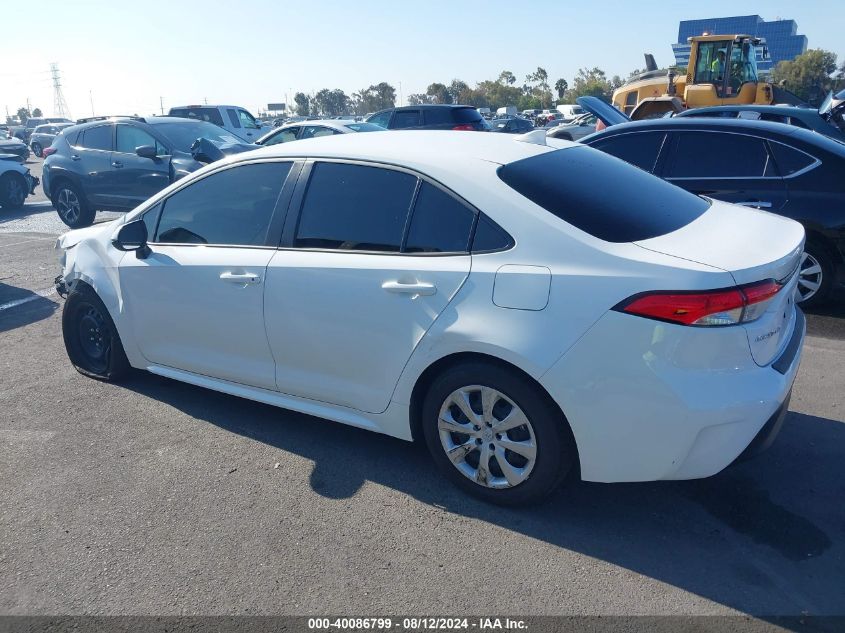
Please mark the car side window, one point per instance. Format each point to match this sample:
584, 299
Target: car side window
130, 137
406, 118
718, 155
283, 136
233, 118
382, 119
150, 219
790, 160
232, 207
313, 131
98, 137
247, 120
640, 149
489, 236
439, 224
355, 207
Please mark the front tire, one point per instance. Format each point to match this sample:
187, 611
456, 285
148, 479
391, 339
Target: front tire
71, 205
496, 434
13, 191
815, 277
91, 339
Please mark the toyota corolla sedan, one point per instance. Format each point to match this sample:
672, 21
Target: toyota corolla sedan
441, 287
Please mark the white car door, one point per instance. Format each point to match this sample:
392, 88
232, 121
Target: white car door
196, 301
357, 286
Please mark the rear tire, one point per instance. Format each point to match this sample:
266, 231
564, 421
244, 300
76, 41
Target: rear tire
37, 149
815, 279
13, 191
470, 423
91, 339
71, 205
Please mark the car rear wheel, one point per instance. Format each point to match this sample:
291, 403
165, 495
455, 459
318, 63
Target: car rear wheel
37, 149
496, 435
13, 190
815, 276
91, 339
71, 206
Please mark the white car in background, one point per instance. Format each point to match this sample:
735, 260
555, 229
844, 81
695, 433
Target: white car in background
302, 130
483, 293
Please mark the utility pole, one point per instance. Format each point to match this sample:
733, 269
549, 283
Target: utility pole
400, 94
161, 102
91, 99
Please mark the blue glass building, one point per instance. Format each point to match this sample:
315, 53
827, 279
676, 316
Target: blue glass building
781, 37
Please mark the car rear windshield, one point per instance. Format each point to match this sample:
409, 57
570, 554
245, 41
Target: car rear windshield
602, 195
465, 115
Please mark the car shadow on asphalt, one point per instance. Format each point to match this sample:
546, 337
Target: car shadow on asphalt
19, 307
763, 537
28, 209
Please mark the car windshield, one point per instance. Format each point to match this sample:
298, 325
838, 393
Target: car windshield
364, 127
184, 133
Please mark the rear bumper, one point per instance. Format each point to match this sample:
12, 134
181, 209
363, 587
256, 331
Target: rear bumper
649, 401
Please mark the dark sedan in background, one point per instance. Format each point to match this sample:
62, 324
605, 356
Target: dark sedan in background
511, 126
431, 117
116, 163
778, 168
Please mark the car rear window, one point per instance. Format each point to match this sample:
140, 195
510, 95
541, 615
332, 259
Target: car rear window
465, 115
602, 195
212, 115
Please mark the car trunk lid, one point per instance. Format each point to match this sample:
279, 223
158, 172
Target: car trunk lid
752, 246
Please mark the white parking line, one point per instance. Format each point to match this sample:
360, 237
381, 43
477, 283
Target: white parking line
39, 294
34, 239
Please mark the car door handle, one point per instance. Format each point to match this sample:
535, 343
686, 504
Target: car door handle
409, 289
760, 204
117, 164
241, 278
74, 156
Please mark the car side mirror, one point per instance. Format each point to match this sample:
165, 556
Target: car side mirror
132, 237
146, 151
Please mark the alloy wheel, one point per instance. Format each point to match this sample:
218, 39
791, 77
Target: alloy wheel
487, 437
67, 204
810, 277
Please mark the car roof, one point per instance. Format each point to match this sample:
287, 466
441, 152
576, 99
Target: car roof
775, 109
426, 151
333, 123
429, 106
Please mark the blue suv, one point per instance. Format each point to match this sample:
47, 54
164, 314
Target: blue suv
116, 163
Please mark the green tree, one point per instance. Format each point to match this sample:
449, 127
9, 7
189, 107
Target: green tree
507, 78
419, 99
591, 82
808, 75
331, 102
540, 87
561, 86
303, 104
23, 115
438, 93
37, 112
459, 92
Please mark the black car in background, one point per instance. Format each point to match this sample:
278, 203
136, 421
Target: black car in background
116, 163
431, 117
511, 126
779, 168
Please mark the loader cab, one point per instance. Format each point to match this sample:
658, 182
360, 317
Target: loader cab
728, 65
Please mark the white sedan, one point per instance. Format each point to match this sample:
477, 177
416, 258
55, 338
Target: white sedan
528, 312
303, 130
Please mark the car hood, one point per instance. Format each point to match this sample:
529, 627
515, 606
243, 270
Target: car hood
74, 237
605, 112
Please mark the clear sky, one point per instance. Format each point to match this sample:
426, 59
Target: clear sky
124, 56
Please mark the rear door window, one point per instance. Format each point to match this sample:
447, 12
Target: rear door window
97, 138
717, 155
313, 131
406, 118
440, 223
602, 195
641, 149
283, 136
212, 115
790, 160
355, 207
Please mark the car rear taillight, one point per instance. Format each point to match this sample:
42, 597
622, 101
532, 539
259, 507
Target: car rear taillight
466, 127
48, 151
708, 308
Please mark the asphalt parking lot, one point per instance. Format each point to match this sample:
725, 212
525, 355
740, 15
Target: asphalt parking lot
156, 497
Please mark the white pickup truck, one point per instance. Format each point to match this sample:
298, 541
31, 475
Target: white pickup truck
234, 119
